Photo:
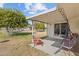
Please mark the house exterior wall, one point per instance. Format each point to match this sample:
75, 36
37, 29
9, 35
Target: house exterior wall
72, 13
50, 30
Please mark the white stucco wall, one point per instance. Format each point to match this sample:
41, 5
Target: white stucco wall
50, 30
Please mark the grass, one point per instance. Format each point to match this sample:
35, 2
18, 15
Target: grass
3, 36
20, 33
18, 45
44, 37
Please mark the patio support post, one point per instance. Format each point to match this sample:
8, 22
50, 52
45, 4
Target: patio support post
60, 29
47, 31
32, 31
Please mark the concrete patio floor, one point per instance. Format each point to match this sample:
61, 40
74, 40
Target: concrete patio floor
52, 47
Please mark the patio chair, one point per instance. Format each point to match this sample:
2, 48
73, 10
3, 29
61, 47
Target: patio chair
70, 41
37, 41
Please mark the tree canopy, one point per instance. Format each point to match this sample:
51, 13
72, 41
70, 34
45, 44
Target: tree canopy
10, 18
39, 26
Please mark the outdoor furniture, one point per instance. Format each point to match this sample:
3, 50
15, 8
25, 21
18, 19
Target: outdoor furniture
37, 41
70, 41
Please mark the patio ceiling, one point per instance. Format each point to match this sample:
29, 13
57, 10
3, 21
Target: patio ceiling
72, 13
49, 17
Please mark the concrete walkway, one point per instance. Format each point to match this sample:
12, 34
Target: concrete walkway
52, 47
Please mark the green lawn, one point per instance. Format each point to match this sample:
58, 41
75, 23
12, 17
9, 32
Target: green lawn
18, 45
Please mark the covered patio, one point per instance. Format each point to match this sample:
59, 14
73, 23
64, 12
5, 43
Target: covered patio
63, 14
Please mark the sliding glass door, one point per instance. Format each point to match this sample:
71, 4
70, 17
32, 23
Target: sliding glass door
61, 29
64, 28
56, 29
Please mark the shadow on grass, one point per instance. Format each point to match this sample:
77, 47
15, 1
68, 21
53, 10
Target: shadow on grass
44, 37
20, 33
4, 41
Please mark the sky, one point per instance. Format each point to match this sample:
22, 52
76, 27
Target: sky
29, 9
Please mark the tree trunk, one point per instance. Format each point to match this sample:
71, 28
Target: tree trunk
9, 31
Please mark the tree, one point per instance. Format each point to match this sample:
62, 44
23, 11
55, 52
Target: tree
40, 26
11, 19
2, 18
